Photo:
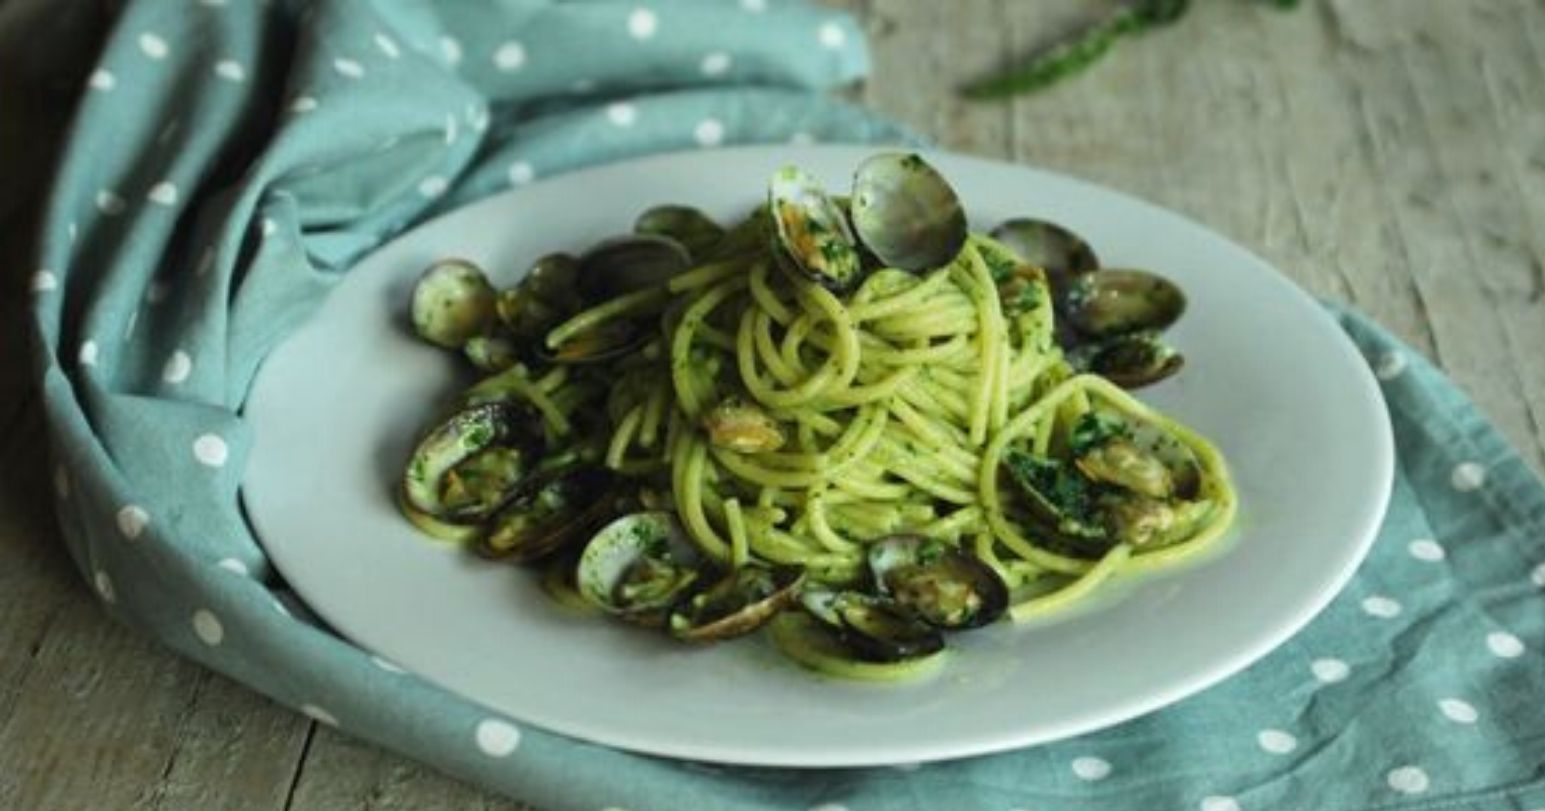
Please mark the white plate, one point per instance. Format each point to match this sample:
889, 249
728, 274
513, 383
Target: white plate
1269, 377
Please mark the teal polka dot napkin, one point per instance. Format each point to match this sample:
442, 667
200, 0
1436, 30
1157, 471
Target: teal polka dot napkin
229, 160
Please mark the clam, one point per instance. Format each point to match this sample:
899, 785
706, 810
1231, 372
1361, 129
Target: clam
742, 427
606, 341
687, 226
1062, 254
736, 604
525, 315
473, 489
1022, 289
1130, 361
812, 236
874, 628
1120, 302
628, 264
937, 583
1120, 462
452, 302
906, 213
465, 434
748, 236
554, 279
638, 567
1063, 504
1128, 481
1139, 520
549, 512
1137, 456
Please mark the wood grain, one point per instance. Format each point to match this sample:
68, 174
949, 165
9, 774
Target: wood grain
1386, 153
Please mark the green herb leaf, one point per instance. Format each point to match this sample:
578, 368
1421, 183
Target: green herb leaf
1094, 429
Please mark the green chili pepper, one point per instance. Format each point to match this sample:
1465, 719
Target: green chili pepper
1084, 48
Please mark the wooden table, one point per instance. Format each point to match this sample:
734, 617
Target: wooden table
1389, 153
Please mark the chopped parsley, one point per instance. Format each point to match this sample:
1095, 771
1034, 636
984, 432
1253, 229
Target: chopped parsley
1096, 428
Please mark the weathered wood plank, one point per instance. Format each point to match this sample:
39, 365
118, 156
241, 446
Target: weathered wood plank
93, 715
1492, 196
235, 750
923, 52
1337, 201
1396, 86
106, 719
342, 773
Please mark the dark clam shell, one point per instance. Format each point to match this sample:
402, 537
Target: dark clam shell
1061, 253
548, 513
1120, 302
938, 583
906, 213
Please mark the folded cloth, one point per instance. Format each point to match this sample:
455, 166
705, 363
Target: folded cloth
228, 160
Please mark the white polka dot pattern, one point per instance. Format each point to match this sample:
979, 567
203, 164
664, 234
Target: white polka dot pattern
177, 367
709, 132
496, 737
109, 203
1426, 549
349, 68
432, 186
1276, 741
1389, 365
1330, 671
1408, 780
716, 64
1459, 711
210, 450
1505, 645
642, 24
1381, 607
153, 46
207, 627
1091, 768
622, 114
163, 193
104, 585
832, 36
132, 521
521, 173
510, 57
1468, 477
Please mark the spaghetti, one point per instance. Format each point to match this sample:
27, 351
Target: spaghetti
783, 424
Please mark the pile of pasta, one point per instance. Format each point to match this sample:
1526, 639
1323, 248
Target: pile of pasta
895, 406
